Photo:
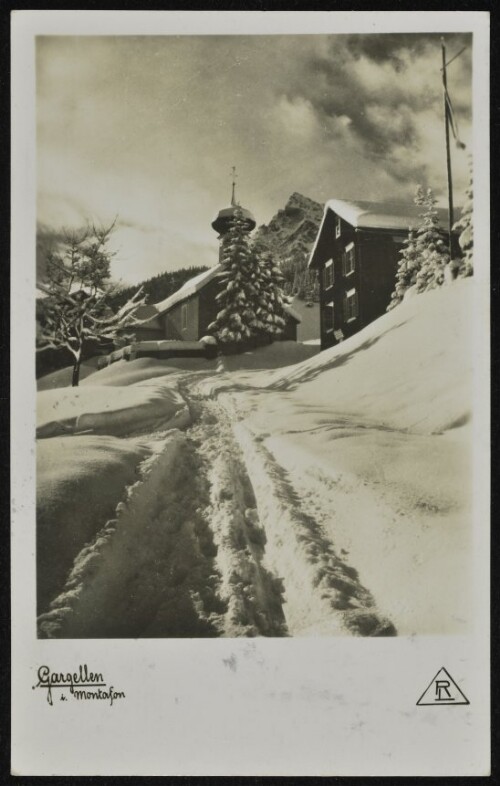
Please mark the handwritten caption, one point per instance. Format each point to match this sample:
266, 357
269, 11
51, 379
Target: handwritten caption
81, 685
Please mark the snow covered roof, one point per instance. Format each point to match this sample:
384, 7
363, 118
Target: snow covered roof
379, 215
194, 285
362, 214
191, 287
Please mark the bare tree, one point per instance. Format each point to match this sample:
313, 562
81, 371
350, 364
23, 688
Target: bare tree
76, 310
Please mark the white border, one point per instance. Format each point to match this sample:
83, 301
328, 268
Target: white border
245, 22
291, 707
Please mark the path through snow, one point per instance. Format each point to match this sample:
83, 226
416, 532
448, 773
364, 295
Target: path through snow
330, 496
212, 540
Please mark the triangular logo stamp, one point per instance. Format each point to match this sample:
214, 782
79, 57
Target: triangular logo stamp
442, 690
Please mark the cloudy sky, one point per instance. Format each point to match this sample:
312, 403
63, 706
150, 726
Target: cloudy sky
148, 128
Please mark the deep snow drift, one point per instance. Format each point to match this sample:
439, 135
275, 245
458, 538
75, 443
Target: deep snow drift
329, 497
109, 410
62, 377
80, 481
128, 372
411, 369
372, 436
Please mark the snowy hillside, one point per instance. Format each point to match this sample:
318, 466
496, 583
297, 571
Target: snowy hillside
328, 497
411, 369
369, 435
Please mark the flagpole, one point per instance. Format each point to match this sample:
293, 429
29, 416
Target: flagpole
448, 155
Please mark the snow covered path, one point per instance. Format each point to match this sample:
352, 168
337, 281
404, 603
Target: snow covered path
394, 505
331, 496
213, 540
319, 591
183, 557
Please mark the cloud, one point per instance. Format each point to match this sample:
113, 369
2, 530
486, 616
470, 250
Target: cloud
297, 116
395, 47
388, 86
147, 128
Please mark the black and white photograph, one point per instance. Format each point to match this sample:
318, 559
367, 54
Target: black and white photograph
259, 335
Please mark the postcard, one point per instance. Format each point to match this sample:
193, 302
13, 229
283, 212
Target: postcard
250, 342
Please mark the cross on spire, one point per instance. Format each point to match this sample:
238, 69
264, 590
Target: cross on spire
234, 175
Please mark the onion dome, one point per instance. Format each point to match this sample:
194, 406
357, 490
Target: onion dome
222, 221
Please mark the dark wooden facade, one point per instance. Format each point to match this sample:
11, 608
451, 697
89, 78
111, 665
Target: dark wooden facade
188, 319
357, 273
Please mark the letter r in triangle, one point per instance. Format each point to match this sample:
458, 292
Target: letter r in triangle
442, 690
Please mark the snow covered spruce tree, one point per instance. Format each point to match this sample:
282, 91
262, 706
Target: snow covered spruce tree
75, 311
408, 268
251, 299
424, 257
271, 300
431, 248
464, 225
236, 319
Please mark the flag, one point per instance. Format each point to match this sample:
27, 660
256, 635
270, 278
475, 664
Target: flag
450, 114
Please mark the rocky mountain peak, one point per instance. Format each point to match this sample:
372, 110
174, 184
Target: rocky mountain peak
290, 236
294, 227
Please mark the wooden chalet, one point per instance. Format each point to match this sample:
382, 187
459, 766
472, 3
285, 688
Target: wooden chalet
356, 254
186, 314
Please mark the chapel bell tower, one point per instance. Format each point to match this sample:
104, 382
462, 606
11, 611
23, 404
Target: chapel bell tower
222, 222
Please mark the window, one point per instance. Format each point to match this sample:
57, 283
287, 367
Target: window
338, 226
349, 259
184, 316
328, 317
350, 305
328, 274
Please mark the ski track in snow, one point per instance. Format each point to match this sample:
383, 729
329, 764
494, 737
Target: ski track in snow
213, 540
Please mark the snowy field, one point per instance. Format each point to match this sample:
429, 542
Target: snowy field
283, 492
